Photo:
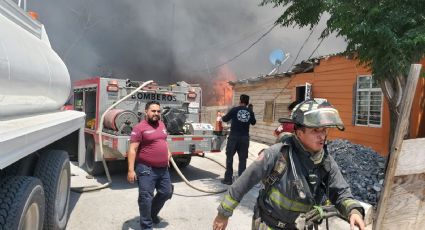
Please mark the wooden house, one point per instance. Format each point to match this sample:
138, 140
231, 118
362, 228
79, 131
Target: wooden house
348, 86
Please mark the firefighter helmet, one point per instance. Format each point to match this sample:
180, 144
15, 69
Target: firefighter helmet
314, 113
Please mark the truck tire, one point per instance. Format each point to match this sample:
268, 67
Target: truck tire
22, 203
182, 161
93, 167
53, 169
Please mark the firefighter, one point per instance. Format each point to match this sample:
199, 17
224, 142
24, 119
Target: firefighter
219, 122
285, 127
296, 175
238, 140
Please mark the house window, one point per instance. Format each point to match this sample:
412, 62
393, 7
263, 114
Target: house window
268, 111
368, 102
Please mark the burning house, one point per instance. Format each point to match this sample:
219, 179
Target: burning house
217, 94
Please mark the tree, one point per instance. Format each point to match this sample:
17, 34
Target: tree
385, 35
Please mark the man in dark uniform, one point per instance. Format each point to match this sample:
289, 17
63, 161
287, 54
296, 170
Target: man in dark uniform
238, 141
296, 175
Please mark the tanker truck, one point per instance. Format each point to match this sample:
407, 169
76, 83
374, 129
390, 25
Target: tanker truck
37, 138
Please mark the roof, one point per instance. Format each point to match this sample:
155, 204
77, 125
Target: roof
306, 66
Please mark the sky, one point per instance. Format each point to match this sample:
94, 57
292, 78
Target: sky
171, 40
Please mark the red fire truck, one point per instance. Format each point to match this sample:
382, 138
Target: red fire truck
180, 105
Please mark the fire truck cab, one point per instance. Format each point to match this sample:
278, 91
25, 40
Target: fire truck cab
181, 112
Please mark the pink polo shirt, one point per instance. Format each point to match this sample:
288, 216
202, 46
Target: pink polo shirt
153, 149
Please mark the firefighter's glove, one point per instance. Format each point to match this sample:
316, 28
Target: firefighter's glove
315, 215
318, 213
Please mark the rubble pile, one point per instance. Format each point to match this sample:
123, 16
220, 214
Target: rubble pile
362, 167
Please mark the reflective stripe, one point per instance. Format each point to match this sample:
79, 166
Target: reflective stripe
228, 203
347, 203
286, 203
263, 226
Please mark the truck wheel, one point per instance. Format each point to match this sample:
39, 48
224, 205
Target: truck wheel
183, 160
22, 203
93, 168
54, 172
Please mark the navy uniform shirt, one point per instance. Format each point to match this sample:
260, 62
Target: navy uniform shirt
241, 118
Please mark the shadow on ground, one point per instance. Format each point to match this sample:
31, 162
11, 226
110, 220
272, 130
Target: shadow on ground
134, 224
118, 172
192, 173
119, 176
73, 199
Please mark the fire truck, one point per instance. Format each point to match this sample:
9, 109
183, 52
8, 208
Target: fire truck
181, 111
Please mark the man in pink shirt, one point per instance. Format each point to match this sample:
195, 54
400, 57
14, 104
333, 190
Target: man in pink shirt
149, 150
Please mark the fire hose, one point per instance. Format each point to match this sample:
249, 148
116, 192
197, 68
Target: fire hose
193, 186
107, 184
99, 132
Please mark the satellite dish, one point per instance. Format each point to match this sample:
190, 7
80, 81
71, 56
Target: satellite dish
277, 57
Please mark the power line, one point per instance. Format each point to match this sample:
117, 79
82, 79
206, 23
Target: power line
302, 46
292, 78
320, 42
242, 52
223, 44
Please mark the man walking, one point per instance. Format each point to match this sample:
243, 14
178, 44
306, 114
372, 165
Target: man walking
296, 175
149, 150
238, 140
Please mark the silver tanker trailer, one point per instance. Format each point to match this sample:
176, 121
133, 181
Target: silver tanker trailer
37, 138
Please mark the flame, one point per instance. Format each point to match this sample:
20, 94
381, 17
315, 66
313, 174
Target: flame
220, 92
215, 88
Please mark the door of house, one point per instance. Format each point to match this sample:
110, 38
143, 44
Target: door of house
303, 92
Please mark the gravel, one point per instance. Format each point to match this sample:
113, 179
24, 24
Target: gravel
361, 167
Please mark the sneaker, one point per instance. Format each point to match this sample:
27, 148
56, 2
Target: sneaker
228, 182
156, 220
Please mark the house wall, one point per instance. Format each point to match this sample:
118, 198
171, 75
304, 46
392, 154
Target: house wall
334, 79
259, 92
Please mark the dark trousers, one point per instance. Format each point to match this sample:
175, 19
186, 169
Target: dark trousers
149, 179
235, 144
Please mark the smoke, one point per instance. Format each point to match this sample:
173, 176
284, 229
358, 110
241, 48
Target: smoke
170, 40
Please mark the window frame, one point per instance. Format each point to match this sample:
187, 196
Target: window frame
357, 97
265, 110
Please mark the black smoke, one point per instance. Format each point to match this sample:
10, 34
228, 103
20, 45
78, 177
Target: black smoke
167, 40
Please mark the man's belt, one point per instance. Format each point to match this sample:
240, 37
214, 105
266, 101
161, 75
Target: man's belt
275, 223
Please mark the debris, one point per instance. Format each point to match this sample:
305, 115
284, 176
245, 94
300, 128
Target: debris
361, 167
